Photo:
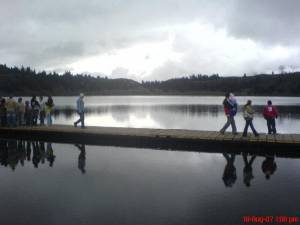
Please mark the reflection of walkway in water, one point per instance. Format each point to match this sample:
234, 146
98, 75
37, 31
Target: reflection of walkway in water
14, 152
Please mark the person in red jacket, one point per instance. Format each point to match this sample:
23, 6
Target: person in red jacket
270, 114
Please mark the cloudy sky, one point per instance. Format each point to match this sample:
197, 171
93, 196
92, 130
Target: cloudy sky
156, 39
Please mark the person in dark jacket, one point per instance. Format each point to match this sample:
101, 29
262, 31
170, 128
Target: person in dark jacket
35, 106
230, 108
3, 115
270, 113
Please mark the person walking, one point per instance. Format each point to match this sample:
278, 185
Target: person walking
35, 106
270, 113
20, 111
11, 107
248, 116
80, 110
230, 109
42, 110
49, 105
3, 117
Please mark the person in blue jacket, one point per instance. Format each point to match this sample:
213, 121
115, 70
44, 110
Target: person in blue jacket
80, 110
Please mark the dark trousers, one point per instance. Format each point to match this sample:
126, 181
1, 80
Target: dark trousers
42, 117
230, 121
249, 123
81, 119
35, 116
3, 120
271, 126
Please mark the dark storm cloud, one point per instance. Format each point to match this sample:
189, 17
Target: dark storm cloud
268, 21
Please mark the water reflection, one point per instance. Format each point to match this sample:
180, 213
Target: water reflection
248, 172
269, 166
81, 157
229, 174
17, 152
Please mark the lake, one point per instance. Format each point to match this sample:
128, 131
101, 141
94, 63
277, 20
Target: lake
174, 112
48, 183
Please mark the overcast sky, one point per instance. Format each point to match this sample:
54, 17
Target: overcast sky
156, 39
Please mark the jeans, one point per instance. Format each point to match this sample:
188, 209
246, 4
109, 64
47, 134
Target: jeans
271, 125
42, 117
230, 121
20, 118
49, 119
35, 116
249, 123
81, 119
11, 119
3, 120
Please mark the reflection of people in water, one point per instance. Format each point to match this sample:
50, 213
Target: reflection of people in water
50, 154
81, 157
13, 152
248, 174
3, 153
36, 158
28, 151
269, 166
229, 175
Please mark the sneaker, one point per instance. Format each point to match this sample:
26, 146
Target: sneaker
235, 133
256, 135
222, 132
75, 125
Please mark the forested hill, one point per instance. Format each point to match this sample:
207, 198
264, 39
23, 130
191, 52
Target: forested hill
25, 82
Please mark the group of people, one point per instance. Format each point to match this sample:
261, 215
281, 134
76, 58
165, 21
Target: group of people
19, 113
270, 113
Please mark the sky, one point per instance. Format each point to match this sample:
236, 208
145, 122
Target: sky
151, 40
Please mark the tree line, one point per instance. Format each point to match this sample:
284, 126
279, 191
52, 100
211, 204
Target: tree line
26, 81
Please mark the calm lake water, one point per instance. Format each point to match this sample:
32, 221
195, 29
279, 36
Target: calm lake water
174, 112
45, 183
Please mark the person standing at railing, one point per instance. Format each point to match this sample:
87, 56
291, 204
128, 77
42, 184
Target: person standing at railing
20, 111
42, 110
28, 114
80, 110
3, 116
49, 106
11, 107
35, 106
